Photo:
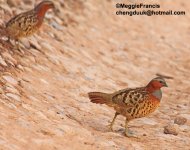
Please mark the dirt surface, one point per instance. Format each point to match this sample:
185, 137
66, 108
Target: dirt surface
83, 46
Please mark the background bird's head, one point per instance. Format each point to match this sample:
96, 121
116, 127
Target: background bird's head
157, 83
42, 7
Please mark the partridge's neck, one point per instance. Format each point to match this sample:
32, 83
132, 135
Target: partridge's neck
157, 94
41, 13
155, 91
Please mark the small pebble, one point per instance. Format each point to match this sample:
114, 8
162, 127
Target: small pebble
144, 134
10, 80
180, 120
13, 96
171, 129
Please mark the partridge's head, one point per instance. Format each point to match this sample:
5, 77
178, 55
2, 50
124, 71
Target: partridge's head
42, 7
157, 83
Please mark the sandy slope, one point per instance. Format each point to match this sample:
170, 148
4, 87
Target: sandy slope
85, 47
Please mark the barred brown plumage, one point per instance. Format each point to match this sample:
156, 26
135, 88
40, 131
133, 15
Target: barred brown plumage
27, 23
132, 102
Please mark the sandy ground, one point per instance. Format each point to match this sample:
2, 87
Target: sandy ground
84, 47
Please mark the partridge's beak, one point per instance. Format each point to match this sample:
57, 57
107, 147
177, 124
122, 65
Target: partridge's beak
165, 84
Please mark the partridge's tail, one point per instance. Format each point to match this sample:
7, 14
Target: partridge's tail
100, 98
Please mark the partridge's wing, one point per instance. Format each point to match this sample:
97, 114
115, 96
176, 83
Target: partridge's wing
22, 23
129, 97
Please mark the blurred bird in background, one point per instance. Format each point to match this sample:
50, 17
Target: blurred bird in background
27, 23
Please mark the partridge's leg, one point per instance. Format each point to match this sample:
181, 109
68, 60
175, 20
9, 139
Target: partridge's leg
127, 132
111, 124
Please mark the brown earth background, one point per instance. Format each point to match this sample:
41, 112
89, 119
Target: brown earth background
81, 47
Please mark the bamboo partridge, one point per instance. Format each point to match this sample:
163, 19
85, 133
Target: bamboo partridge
27, 23
132, 102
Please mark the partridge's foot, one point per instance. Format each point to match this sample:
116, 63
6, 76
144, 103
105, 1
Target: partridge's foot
110, 126
130, 134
